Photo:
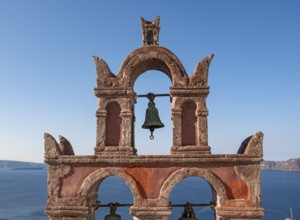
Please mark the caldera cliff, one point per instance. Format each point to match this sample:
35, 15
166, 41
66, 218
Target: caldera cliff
288, 165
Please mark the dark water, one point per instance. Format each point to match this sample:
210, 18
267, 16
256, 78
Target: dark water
23, 195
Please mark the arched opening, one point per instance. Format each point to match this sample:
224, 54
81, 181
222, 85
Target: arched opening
158, 83
152, 58
194, 190
111, 190
150, 37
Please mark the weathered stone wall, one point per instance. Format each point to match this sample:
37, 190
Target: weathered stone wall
74, 181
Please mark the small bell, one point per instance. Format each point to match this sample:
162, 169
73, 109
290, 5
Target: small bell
113, 215
188, 212
152, 119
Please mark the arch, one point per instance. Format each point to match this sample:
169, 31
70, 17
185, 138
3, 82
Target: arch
158, 82
92, 182
152, 58
195, 190
114, 189
215, 183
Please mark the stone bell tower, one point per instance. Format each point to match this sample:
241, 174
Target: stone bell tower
73, 181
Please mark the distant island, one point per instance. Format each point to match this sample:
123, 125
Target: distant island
20, 165
288, 165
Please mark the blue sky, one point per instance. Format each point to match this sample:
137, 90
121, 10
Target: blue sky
48, 74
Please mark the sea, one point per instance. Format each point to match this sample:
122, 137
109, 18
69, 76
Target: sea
23, 195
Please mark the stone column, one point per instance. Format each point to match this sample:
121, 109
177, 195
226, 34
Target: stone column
202, 133
176, 119
100, 132
127, 130
127, 145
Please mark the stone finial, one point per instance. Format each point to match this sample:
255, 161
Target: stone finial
105, 78
252, 145
65, 146
200, 75
52, 149
150, 31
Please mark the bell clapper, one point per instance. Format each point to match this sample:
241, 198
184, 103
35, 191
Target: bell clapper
151, 136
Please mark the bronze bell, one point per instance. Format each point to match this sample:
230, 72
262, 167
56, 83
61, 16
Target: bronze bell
113, 215
152, 119
188, 212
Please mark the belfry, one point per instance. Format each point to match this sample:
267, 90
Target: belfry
73, 180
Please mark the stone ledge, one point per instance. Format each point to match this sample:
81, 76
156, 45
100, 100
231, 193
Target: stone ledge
151, 212
164, 160
240, 213
63, 211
